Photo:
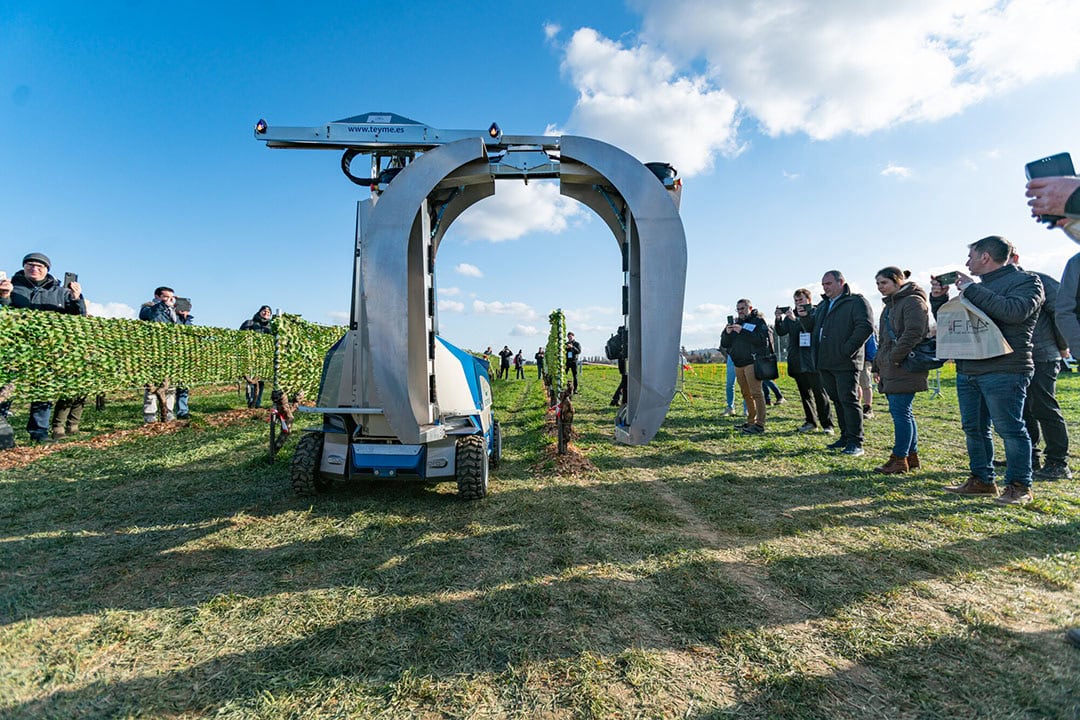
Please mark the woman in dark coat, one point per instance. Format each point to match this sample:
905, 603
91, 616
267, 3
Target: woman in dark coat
904, 323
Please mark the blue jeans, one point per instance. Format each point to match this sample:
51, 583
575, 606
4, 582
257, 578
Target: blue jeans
182, 402
997, 397
729, 383
905, 433
38, 422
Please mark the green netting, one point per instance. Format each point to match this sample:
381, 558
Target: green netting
49, 355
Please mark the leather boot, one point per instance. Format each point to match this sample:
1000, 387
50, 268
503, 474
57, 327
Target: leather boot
913, 461
896, 464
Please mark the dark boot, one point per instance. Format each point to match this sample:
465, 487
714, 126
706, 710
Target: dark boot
913, 461
896, 464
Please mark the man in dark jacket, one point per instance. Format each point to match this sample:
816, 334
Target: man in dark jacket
744, 339
800, 366
1042, 413
33, 288
839, 328
160, 397
573, 357
259, 322
504, 362
994, 389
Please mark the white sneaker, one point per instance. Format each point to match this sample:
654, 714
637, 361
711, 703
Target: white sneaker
828, 431
806, 427
728, 411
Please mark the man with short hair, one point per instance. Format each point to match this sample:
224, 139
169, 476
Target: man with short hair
504, 362
573, 354
994, 389
33, 288
161, 309
744, 339
839, 328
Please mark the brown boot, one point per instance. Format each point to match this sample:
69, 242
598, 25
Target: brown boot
895, 465
974, 486
913, 461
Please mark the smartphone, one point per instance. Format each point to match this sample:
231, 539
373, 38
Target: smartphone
3, 275
70, 278
1053, 166
808, 308
730, 319
783, 309
183, 304
947, 278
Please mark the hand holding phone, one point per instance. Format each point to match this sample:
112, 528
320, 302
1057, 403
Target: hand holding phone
1055, 166
946, 278
70, 277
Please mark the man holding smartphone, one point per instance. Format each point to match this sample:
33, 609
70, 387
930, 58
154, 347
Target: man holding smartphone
33, 288
994, 389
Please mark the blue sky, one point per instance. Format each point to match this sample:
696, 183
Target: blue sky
849, 135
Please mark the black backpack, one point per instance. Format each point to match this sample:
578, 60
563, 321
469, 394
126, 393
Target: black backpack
615, 349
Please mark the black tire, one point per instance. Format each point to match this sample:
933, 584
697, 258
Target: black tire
496, 445
471, 467
304, 470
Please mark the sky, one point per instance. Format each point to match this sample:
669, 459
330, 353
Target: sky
851, 134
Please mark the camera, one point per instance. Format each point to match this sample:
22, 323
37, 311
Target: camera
1054, 166
783, 309
947, 278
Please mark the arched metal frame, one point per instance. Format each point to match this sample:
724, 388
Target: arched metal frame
398, 237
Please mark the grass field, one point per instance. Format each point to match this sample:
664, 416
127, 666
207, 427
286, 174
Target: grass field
707, 574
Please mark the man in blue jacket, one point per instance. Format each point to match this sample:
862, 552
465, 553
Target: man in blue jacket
161, 309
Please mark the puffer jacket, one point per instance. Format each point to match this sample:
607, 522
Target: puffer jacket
49, 295
1047, 342
257, 324
903, 325
838, 335
1012, 298
753, 340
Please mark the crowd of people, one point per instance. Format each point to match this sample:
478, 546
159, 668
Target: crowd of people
834, 347
34, 288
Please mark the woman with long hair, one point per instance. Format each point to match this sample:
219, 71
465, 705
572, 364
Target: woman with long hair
903, 325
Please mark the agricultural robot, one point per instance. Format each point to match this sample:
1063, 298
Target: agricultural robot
397, 399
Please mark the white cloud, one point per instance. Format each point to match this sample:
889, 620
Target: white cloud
451, 306
339, 315
711, 309
637, 99
893, 170
855, 66
789, 175
498, 307
524, 331
450, 291
517, 209
468, 270
111, 310
551, 30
